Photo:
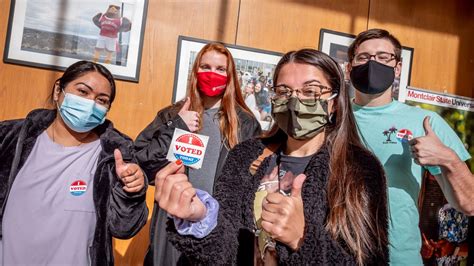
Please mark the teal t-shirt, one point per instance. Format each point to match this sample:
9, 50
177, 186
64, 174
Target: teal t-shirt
386, 130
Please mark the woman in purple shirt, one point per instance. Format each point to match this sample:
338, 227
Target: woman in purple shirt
67, 182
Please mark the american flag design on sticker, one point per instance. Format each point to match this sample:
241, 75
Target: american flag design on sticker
78, 188
404, 135
188, 148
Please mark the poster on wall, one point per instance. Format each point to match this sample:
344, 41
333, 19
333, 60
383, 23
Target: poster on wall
336, 44
458, 111
55, 34
254, 67
441, 225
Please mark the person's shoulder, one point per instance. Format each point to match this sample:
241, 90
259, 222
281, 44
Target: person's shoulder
40, 113
413, 110
249, 146
10, 125
243, 154
170, 111
172, 107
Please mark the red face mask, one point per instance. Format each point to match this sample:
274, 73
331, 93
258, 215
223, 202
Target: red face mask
211, 83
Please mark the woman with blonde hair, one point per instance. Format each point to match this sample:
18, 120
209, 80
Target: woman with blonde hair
213, 107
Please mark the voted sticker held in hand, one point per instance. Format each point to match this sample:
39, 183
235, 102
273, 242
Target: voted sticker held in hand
187, 147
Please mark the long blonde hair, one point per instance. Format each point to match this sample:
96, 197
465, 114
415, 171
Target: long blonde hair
231, 99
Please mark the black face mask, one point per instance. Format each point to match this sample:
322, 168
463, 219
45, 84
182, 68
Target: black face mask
372, 77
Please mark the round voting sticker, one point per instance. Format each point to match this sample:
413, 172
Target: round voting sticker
78, 187
404, 135
189, 148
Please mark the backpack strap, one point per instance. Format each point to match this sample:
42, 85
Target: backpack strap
269, 150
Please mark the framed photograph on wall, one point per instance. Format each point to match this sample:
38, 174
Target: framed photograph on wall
56, 33
254, 67
336, 45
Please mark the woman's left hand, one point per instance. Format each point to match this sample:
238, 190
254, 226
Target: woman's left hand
129, 173
283, 216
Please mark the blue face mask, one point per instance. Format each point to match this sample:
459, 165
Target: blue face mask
80, 114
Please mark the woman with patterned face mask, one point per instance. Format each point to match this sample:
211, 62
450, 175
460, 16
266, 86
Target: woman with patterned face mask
67, 183
214, 107
306, 194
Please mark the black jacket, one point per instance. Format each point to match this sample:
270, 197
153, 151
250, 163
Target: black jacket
119, 214
151, 148
232, 241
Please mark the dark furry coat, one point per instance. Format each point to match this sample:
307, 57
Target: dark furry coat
119, 214
232, 241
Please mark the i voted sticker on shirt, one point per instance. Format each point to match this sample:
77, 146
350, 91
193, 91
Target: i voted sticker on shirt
78, 188
404, 135
188, 147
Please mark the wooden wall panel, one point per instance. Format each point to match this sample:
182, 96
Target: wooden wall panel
440, 31
137, 104
442, 34
285, 25
24, 88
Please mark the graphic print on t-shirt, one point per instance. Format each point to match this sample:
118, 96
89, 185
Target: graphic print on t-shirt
389, 133
78, 188
280, 178
272, 184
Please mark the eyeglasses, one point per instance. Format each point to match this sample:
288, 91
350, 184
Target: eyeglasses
308, 92
381, 57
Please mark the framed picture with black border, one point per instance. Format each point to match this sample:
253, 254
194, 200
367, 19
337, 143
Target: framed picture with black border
336, 44
54, 34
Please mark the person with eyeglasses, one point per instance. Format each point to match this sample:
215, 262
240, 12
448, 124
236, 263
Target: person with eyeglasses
308, 193
407, 140
68, 183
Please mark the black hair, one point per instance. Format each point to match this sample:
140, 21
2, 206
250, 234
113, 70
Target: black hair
81, 68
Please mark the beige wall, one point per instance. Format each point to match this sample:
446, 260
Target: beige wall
441, 32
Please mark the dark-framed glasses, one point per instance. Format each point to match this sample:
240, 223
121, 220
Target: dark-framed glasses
308, 92
381, 57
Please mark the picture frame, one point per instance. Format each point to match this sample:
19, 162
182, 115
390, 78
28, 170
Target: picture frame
254, 66
336, 44
54, 34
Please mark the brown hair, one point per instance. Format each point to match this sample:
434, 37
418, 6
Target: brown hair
349, 218
375, 34
231, 99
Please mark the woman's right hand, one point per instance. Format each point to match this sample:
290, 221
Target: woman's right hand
176, 195
191, 118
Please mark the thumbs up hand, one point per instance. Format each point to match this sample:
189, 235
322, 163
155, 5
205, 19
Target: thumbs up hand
129, 173
283, 216
191, 118
429, 150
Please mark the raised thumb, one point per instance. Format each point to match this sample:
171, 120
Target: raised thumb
186, 104
297, 185
118, 158
427, 126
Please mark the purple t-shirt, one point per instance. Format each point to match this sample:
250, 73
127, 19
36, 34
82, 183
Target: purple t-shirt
50, 215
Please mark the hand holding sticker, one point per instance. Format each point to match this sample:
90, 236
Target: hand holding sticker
187, 147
